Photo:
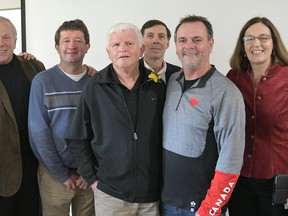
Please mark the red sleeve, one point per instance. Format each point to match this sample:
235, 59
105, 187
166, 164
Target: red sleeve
219, 193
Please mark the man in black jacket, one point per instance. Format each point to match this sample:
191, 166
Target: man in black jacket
116, 133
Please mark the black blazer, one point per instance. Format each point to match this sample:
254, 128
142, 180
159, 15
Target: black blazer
169, 71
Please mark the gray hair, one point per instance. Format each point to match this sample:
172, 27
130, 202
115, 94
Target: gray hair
14, 31
120, 27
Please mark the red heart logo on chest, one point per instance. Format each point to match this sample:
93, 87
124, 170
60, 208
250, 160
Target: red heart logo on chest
194, 101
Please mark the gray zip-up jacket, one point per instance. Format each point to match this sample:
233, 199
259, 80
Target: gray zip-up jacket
204, 132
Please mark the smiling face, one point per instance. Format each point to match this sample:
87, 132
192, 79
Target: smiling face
124, 49
193, 46
72, 47
7, 42
258, 53
156, 42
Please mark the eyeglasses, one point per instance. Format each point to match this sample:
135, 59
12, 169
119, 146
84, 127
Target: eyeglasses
262, 38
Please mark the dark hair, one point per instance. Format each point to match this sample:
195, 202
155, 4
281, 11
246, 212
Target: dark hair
194, 18
240, 62
76, 24
154, 22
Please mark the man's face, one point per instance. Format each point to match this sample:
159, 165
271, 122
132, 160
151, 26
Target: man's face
72, 47
192, 45
7, 42
124, 49
156, 42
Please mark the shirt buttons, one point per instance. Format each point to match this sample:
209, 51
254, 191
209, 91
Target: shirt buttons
249, 156
253, 117
252, 136
259, 97
265, 78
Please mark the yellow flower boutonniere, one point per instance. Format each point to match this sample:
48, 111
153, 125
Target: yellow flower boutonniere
154, 76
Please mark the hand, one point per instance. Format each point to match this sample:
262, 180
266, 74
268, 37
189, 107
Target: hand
286, 204
27, 56
91, 71
74, 177
94, 186
81, 183
70, 184
196, 214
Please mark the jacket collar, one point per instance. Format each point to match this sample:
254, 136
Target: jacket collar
202, 81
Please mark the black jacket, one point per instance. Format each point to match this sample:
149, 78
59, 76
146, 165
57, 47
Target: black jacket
127, 163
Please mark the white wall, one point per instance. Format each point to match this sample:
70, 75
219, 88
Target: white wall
9, 4
226, 16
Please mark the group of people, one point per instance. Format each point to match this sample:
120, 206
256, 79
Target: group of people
142, 136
